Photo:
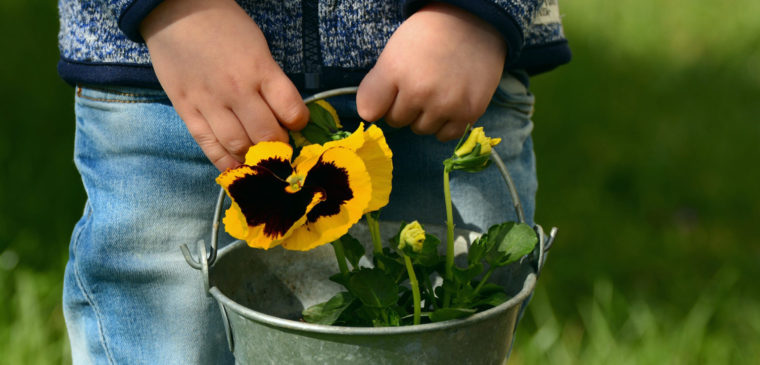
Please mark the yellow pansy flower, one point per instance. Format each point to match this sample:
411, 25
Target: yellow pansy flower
311, 201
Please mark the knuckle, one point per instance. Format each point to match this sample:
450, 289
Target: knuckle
294, 114
421, 93
237, 146
270, 135
204, 140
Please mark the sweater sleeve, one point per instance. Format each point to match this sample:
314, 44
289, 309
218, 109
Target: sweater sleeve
510, 17
132, 13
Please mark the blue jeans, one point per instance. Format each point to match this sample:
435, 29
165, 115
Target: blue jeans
130, 298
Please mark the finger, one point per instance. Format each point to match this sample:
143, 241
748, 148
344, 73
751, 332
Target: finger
450, 131
204, 136
402, 112
427, 123
229, 131
375, 95
258, 121
286, 103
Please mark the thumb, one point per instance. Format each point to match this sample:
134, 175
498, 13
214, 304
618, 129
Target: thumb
375, 96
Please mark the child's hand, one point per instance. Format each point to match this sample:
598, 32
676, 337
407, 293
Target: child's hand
214, 64
437, 73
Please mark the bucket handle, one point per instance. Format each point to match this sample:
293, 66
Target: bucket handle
207, 260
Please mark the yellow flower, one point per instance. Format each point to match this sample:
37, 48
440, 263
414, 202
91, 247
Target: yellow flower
308, 203
371, 146
412, 235
263, 210
477, 137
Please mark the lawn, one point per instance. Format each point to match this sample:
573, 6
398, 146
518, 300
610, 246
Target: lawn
645, 146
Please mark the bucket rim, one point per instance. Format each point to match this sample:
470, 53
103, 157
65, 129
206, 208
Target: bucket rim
528, 286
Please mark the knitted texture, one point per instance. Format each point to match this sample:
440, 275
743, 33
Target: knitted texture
351, 33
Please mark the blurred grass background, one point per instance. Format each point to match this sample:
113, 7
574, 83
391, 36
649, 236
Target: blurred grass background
646, 144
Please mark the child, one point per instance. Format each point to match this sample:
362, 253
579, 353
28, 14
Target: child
214, 77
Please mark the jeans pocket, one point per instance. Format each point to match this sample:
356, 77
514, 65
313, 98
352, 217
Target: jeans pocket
119, 95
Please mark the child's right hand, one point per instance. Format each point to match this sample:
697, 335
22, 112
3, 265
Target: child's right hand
214, 64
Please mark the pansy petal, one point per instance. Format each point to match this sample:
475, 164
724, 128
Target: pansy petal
234, 222
377, 157
270, 212
341, 174
309, 152
352, 142
373, 149
271, 155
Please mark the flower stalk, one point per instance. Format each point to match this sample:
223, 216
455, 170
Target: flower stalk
415, 288
340, 254
449, 236
374, 231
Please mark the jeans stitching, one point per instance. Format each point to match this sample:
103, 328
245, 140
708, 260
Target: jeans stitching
147, 98
86, 293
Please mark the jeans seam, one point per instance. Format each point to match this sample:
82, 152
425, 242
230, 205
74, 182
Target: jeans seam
149, 99
86, 293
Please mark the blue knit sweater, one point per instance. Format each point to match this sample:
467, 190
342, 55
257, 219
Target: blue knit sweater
320, 44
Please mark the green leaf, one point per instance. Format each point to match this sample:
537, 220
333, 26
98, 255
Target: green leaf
489, 288
428, 257
464, 276
373, 287
322, 118
477, 249
445, 314
471, 162
492, 300
340, 279
392, 265
353, 250
508, 242
315, 134
329, 311
394, 318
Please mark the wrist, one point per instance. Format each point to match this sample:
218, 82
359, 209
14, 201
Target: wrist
490, 17
475, 28
169, 12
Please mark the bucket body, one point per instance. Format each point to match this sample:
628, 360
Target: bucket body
261, 295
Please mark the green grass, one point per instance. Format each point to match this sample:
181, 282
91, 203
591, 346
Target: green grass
646, 143
719, 328
32, 330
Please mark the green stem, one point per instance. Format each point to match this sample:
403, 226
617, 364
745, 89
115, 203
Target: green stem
341, 256
415, 288
449, 236
483, 281
374, 231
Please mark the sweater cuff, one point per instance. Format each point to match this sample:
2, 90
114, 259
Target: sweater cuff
133, 14
504, 22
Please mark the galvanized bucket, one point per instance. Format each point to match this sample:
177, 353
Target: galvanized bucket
261, 295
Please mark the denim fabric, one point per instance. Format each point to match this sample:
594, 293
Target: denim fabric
130, 298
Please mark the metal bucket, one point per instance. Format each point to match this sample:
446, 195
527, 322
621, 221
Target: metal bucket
261, 295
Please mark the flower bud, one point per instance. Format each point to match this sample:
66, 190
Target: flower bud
477, 137
412, 235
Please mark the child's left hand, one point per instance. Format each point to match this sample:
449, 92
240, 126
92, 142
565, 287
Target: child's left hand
437, 73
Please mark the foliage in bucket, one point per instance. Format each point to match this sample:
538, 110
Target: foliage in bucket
335, 179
